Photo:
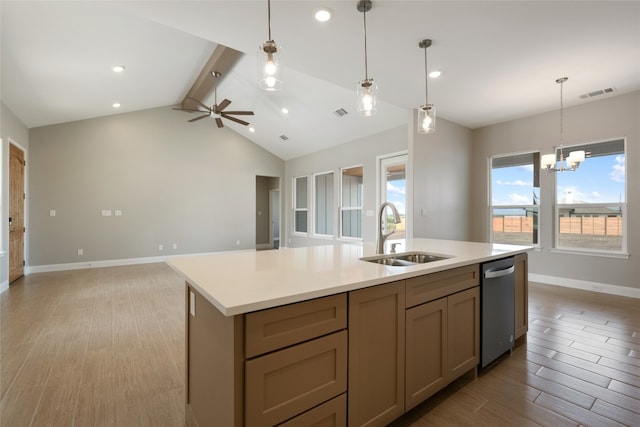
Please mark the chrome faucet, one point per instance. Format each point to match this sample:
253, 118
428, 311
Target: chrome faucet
382, 237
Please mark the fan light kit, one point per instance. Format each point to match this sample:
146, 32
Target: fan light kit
426, 112
366, 89
548, 161
268, 61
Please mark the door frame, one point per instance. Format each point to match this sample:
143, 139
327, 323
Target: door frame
272, 207
409, 188
11, 142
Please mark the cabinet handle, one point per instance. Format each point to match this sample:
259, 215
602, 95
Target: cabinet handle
492, 274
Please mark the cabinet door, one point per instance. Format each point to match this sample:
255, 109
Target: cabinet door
521, 295
376, 354
426, 351
463, 313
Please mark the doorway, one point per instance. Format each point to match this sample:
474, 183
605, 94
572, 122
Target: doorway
393, 188
16, 212
267, 212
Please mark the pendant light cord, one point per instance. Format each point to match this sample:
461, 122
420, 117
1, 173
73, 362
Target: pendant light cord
426, 80
269, 17
366, 74
561, 115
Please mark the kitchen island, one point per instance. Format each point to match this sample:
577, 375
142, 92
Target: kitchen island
314, 335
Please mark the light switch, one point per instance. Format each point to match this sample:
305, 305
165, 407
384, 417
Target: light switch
106, 212
52, 212
369, 212
118, 212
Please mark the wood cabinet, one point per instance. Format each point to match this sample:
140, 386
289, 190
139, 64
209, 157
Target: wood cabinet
427, 347
442, 340
376, 354
282, 365
521, 295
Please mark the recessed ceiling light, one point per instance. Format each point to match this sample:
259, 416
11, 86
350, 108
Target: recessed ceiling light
252, 130
285, 111
323, 14
435, 74
118, 68
116, 105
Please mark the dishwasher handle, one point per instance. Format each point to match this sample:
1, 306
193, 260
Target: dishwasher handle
499, 272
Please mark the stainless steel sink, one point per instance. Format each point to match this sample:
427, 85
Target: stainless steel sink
404, 259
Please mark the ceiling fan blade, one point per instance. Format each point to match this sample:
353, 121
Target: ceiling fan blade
198, 118
200, 103
240, 113
219, 122
190, 111
233, 119
224, 104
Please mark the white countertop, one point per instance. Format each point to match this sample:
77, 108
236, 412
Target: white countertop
241, 282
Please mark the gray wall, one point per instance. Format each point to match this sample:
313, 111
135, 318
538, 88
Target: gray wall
441, 164
359, 152
189, 184
10, 128
594, 121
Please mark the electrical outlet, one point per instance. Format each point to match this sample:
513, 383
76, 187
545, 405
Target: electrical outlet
52, 212
175, 246
237, 242
118, 212
160, 247
80, 252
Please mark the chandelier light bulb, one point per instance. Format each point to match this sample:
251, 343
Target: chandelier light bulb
270, 68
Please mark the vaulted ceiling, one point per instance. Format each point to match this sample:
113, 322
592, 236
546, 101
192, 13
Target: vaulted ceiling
499, 60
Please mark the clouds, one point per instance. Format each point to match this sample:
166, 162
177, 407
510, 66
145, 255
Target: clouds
617, 173
515, 183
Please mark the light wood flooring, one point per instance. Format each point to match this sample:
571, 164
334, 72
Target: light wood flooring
105, 347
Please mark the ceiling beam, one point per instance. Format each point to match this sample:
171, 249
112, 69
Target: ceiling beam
222, 61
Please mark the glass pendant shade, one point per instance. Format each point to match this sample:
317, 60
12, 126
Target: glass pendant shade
367, 92
548, 161
427, 118
269, 71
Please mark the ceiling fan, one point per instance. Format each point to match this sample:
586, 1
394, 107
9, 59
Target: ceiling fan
217, 111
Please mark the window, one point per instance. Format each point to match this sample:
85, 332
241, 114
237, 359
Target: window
515, 198
351, 202
323, 203
591, 202
300, 203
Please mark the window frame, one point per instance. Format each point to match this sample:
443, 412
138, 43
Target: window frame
314, 206
536, 178
295, 209
623, 209
342, 208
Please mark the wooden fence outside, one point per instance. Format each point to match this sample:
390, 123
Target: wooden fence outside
602, 226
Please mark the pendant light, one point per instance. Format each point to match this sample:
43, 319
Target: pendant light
548, 161
426, 112
366, 90
268, 61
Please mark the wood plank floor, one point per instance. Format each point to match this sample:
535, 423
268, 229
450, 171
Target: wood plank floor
105, 347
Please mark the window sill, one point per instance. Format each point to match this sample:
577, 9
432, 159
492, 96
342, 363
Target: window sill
618, 255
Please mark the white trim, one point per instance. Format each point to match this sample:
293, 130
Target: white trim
4, 286
605, 288
117, 262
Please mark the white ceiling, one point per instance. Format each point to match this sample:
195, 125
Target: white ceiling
499, 60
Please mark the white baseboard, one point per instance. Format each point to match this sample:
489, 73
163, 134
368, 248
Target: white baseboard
113, 262
605, 288
4, 286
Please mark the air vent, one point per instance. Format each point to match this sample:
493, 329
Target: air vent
341, 112
597, 93
284, 137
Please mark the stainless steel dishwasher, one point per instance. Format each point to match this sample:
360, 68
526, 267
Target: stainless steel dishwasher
497, 324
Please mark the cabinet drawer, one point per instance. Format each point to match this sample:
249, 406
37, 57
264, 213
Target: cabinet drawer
437, 285
280, 327
330, 414
285, 383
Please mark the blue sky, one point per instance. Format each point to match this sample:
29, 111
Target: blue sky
597, 180
397, 193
